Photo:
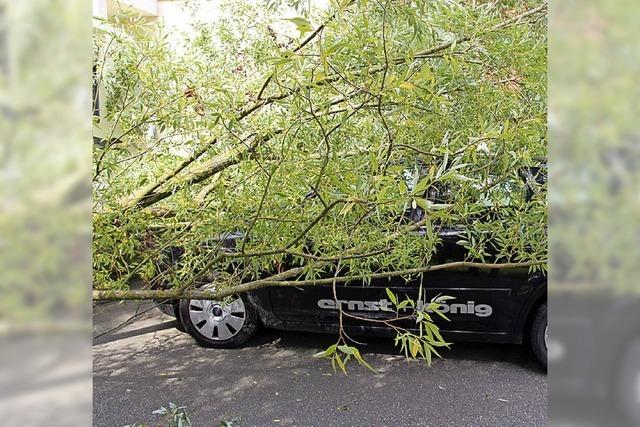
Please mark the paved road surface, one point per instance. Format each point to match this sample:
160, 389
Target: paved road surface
273, 381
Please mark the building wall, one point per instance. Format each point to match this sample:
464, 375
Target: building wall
108, 8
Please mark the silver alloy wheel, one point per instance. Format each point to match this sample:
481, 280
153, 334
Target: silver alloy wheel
218, 320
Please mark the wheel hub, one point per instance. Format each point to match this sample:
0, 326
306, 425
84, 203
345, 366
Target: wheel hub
216, 311
218, 320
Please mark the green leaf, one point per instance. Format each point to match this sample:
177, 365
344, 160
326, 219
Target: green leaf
443, 165
392, 296
422, 185
436, 331
346, 349
335, 48
329, 351
438, 312
459, 177
427, 353
415, 347
424, 203
433, 350
341, 364
440, 299
347, 208
360, 359
302, 25
402, 187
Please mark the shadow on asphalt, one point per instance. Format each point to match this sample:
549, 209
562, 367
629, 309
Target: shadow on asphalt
519, 355
135, 332
273, 376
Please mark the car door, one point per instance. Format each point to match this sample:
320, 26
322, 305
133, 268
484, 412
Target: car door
486, 303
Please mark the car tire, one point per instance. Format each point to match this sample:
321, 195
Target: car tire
219, 324
166, 308
171, 309
538, 334
179, 324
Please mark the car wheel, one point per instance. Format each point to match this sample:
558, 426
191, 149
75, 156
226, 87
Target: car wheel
219, 324
166, 308
172, 309
179, 324
539, 334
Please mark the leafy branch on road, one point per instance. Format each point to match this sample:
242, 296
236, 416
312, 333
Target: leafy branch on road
337, 147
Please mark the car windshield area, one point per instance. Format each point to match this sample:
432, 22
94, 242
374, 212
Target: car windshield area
491, 191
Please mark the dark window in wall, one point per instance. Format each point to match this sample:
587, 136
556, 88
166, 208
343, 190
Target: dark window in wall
96, 104
96, 92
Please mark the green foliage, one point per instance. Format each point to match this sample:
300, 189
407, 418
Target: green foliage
471, 116
315, 137
424, 343
414, 345
340, 356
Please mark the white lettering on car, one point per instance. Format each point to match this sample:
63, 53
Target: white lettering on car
469, 307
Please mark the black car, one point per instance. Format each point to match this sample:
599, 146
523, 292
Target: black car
489, 305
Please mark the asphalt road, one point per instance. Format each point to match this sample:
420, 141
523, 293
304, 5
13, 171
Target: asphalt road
274, 380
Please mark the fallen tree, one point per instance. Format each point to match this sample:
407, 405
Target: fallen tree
317, 141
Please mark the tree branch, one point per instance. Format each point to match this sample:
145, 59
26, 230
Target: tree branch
145, 198
277, 280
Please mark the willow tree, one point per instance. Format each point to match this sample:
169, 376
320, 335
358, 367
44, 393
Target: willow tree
311, 136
